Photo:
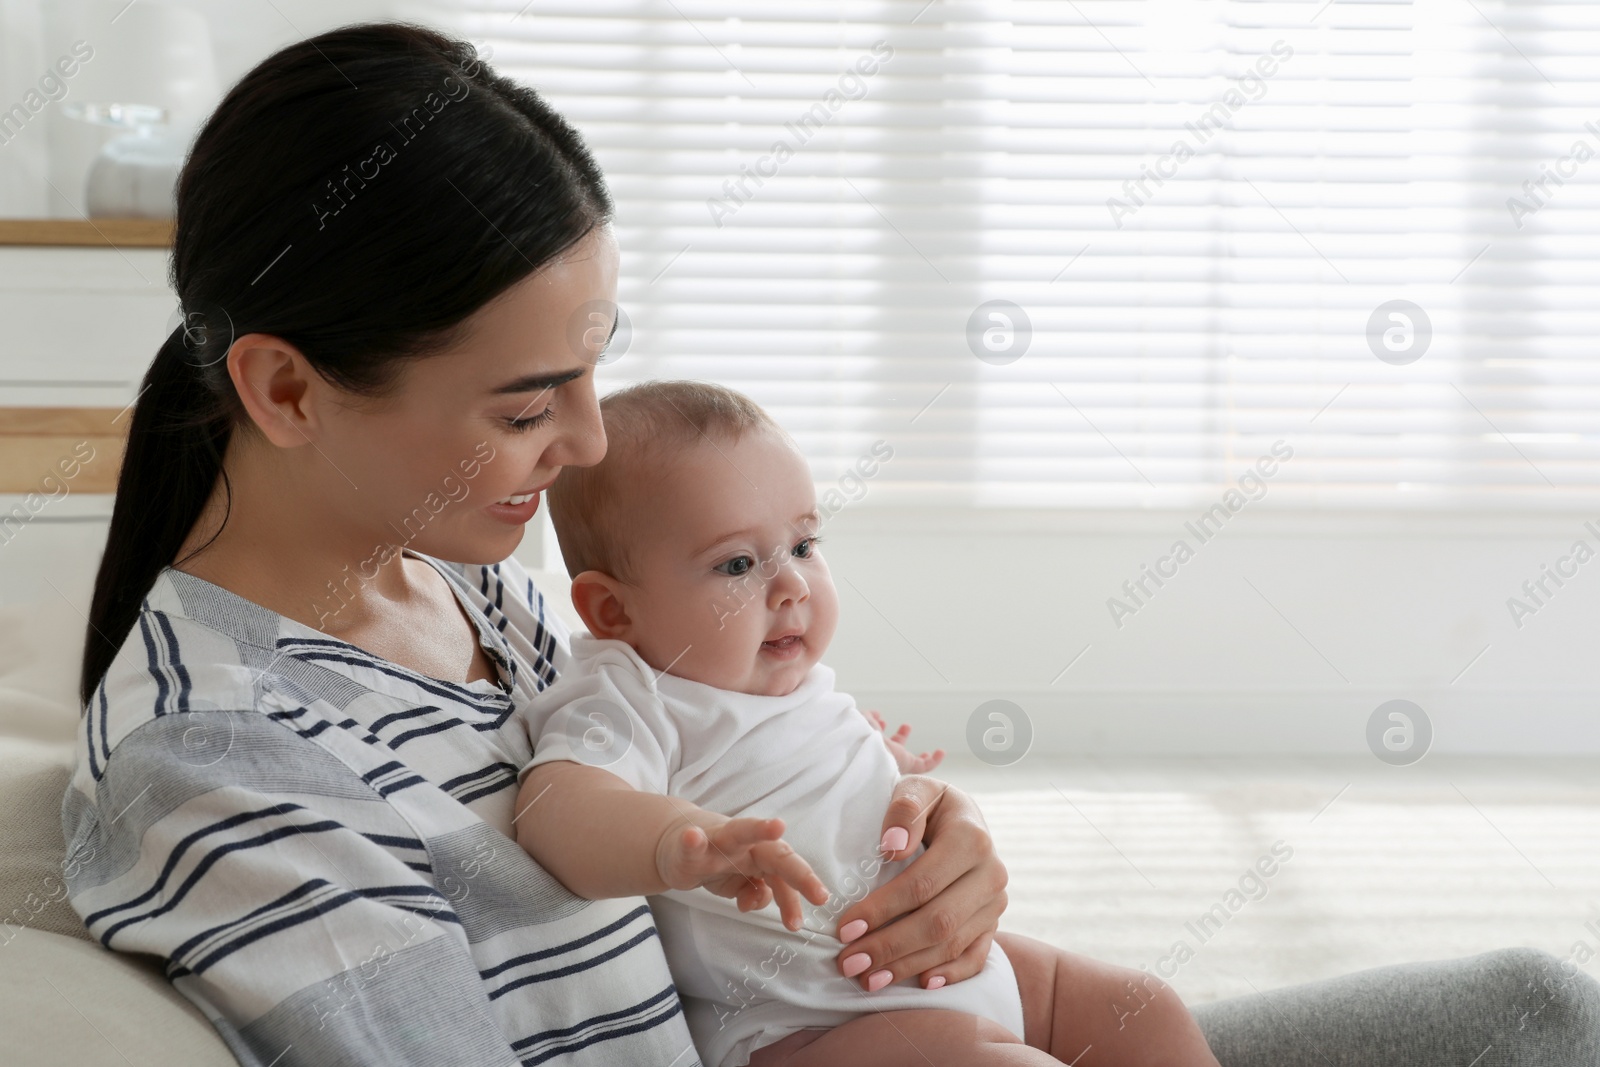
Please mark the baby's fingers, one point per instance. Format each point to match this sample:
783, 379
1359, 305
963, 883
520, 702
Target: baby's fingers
689, 857
788, 904
686, 854
737, 835
754, 895
749, 893
780, 861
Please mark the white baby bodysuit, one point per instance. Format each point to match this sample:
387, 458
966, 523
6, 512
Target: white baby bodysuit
810, 758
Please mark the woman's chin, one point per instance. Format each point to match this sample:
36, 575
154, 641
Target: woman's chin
489, 544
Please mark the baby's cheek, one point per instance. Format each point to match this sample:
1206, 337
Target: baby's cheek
824, 618
722, 635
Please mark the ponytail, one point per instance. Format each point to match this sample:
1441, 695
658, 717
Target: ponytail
180, 429
363, 228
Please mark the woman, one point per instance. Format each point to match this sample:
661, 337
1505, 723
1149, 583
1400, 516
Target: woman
295, 776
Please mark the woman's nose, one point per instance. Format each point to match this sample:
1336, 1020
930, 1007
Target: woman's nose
581, 440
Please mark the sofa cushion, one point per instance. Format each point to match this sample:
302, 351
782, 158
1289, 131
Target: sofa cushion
40, 645
51, 987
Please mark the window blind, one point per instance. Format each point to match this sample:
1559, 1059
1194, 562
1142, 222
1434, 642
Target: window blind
1109, 253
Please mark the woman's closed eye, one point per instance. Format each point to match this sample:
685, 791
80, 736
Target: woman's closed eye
521, 425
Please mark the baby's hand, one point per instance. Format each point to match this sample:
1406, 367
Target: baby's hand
903, 758
745, 859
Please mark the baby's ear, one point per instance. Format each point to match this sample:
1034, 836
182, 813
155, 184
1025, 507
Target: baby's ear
598, 598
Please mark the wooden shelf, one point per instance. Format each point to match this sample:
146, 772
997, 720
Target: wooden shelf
92, 233
34, 442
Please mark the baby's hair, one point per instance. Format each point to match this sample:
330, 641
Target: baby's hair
647, 423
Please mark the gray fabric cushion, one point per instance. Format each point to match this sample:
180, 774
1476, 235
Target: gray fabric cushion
1515, 1007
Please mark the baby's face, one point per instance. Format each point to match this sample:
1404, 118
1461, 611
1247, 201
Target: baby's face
732, 591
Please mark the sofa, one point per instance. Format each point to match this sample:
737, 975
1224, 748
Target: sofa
64, 999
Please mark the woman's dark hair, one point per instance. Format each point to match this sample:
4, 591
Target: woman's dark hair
358, 194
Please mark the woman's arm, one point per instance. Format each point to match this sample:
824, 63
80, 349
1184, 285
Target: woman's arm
602, 838
947, 901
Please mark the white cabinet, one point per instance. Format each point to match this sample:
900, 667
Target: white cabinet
79, 326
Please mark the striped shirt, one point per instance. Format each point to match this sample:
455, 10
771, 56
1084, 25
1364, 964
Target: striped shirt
318, 844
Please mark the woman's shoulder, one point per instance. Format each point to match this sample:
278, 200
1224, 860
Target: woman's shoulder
188, 651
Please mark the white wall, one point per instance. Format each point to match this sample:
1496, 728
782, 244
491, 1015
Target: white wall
944, 612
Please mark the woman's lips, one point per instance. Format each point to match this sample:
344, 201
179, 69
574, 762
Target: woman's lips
516, 514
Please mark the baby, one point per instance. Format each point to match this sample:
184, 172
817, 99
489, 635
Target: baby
696, 751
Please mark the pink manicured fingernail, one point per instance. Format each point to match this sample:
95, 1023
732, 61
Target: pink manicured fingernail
894, 839
852, 930
878, 980
936, 981
854, 965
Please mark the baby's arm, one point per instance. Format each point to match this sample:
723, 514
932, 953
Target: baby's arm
602, 838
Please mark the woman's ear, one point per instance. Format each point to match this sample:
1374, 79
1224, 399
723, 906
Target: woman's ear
601, 604
274, 383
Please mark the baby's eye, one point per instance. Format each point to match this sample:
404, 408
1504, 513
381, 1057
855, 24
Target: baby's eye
805, 547
736, 567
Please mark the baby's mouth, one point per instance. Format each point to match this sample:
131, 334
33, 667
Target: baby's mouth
782, 644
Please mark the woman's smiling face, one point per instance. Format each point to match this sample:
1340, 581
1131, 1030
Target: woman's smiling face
490, 421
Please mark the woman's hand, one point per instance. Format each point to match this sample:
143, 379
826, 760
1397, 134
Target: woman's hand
950, 897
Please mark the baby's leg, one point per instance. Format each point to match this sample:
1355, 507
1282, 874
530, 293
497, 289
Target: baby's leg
1075, 1010
906, 1038
1093, 1014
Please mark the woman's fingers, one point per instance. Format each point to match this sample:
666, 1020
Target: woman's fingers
931, 939
937, 962
914, 801
932, 906
964, 966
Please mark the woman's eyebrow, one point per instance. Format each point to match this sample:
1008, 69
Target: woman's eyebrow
531, 383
